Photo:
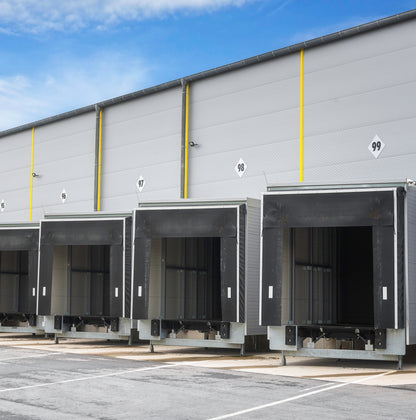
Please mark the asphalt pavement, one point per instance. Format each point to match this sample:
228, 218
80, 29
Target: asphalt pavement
87, 379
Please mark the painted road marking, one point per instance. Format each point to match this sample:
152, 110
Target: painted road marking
26, 357
86, 378
298, 397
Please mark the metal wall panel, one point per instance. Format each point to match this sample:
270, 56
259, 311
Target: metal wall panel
64, 160
411, 266
141, 138
253, 114
253, 268
15, 164
356, 89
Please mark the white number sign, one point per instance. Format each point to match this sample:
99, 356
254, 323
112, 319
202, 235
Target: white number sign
240, 168
140, 183
376, 146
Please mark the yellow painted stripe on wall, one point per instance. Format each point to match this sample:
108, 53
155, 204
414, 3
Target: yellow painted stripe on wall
99, 161
186, 142
31, 175
301, 113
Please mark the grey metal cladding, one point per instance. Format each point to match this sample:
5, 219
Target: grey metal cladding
64, 160
411, 264
253, 268
15, 165
356, 89
253, 114
186, 222
141, 138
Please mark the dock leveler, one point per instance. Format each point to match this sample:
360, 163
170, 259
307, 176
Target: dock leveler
196, 272
84, 276
18, 278
339, 270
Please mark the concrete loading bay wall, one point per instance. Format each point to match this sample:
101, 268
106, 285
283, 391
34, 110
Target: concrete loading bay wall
310, 112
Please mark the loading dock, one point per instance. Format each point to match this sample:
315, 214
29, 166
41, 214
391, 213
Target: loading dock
84, 276
338, 274
18, 278
196, 266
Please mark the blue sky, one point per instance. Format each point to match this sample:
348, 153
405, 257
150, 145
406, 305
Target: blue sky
56, 56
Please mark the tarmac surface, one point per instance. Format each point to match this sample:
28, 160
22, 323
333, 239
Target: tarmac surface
89, 379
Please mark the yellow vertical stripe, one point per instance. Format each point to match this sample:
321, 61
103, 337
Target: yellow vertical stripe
186, 142
301, 111
99, 161
31, 174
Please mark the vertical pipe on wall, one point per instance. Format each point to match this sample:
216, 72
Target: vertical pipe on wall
301, 111
31, 175
185, 140
98, 154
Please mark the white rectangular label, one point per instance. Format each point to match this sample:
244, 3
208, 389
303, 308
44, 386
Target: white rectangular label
229, 292
116, 291
34, 292
140, 291
43, 291
270, 292
384, 293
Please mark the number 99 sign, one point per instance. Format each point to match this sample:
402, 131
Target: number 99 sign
376, 146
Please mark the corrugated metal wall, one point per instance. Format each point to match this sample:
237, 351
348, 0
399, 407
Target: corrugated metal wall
252, 114
141, 138
15, 164
252, 301
356, 89
64, 160
411, 274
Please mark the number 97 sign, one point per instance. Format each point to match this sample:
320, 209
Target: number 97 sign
376, 146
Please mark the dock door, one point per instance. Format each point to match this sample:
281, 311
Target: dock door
332, 264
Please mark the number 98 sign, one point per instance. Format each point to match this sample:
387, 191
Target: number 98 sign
376, 146
240, 168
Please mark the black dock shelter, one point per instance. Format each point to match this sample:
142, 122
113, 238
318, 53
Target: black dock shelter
84, 275
18, 278
338, 270
196, 268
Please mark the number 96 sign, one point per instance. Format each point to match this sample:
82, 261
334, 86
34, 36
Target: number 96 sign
376, 146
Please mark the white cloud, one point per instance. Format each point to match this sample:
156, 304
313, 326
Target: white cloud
44, 15
70, 84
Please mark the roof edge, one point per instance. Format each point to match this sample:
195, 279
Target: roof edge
336, 36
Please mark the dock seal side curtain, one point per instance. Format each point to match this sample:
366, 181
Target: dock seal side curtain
24, 240
81, 232
361, 208
183, 223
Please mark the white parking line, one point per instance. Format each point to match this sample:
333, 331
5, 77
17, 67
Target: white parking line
86, 378
298, 397
26, 357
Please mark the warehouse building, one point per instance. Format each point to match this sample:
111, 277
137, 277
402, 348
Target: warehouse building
334, 110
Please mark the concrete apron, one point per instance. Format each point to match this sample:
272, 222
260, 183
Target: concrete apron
258, 363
